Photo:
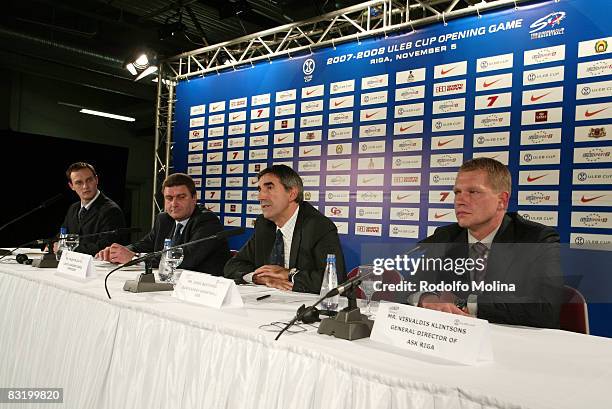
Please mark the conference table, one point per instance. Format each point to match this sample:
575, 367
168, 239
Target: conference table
151, 350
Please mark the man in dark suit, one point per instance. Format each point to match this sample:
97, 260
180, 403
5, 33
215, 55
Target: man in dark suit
94, 213
518, 279
183, 221
291, 240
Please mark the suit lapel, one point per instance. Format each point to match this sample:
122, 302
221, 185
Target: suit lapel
458, 248
297, 237
499, 261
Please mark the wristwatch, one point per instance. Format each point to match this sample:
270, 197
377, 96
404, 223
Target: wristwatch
292, 273
461, 303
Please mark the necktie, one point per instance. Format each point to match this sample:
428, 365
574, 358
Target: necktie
278, 250
177, 234
82, 213
481, 251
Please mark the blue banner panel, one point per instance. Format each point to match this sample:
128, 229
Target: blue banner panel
378, 128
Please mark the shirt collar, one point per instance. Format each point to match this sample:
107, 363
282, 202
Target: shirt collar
288, 227
183, 222
88, 204
487, 241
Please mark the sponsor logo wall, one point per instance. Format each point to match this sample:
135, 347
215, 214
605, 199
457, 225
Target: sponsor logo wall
378, 128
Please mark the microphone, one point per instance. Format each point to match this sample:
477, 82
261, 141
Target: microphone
43, 205
122, 230
349, 323
220, 235
441, 237
48, 241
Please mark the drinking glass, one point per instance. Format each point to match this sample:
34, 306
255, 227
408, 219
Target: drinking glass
367, 285
71, 241
174, 258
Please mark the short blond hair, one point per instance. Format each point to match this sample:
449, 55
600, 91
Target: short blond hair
498, 175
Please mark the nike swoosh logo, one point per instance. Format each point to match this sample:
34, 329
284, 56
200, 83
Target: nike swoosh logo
235, 116
214, 107
307, 151
336, 166
588, 114
441, 144
367, 180
590, 199
439, 216
214, 157
337, 104
230, 221
283, 138
311, 91
402, 197
258, 127
488, 84
534, 98
444, 72
254, 182
368, 116
234, 168
530, 179
402, 129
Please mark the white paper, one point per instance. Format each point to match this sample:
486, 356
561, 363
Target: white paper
204, 289
452, 337
75, 264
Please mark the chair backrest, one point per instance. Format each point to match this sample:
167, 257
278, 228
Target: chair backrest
388, 277
574, 311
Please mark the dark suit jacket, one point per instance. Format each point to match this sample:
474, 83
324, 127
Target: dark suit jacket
314, 237
103, 215
207, 257
523, 253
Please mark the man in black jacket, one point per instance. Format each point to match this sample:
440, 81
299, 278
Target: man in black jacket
518, 278
94, 213
183, 221
291, 240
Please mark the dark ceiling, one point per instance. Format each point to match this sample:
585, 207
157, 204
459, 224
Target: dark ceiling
86, 42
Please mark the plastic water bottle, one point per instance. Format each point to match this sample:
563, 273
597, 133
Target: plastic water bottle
61, 243
164, 269
330, 281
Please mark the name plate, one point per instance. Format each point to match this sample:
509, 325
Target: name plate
75, 264
452, 337
204, 289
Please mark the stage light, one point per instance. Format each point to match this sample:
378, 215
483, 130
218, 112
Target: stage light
141, 64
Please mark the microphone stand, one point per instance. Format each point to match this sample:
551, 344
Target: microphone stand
349, 323
146, 281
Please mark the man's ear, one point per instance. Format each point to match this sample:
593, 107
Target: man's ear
70, 186
293, 194
504, 199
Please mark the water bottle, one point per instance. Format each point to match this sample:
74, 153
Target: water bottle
61, 243
164, 269
330, 281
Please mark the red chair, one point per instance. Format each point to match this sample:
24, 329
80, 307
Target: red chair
388, 277
574, 311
